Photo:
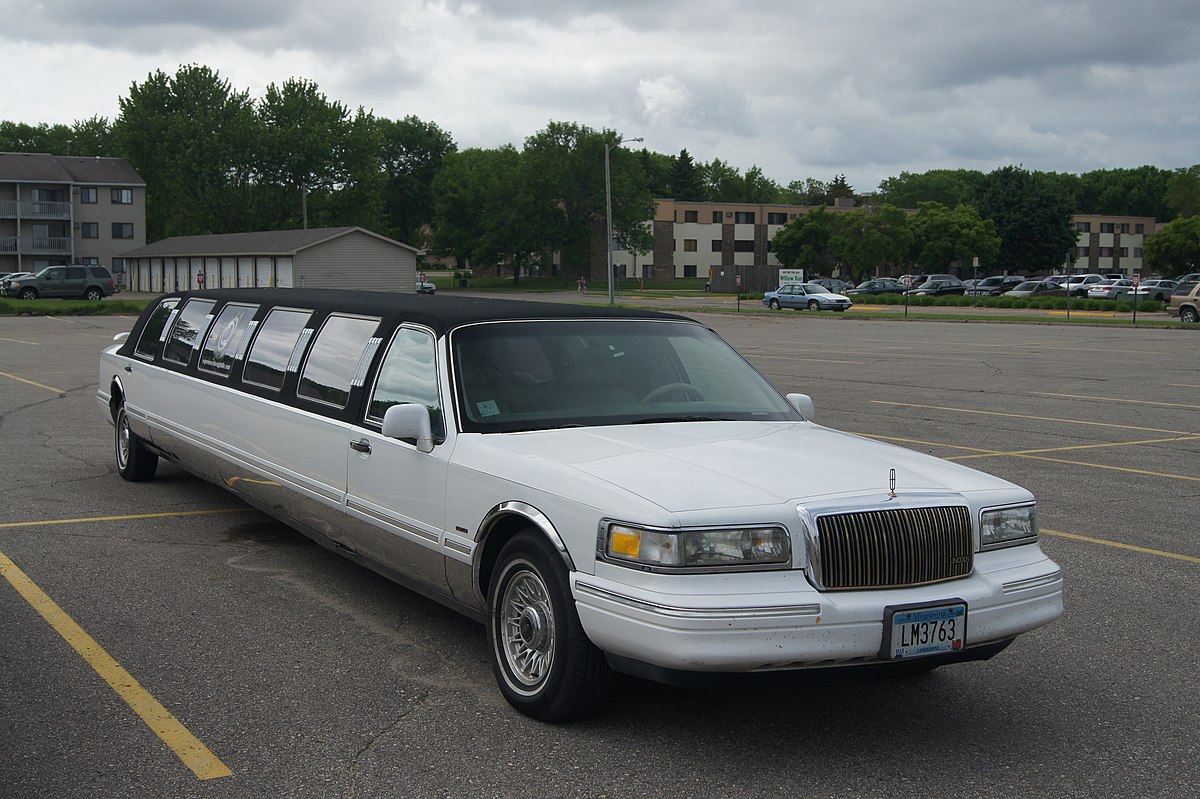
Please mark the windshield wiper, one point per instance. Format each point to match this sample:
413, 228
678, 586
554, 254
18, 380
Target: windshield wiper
660, 419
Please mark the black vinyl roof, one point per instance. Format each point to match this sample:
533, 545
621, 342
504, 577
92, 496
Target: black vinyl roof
439, 313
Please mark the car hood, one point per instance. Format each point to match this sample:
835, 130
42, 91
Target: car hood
688, 466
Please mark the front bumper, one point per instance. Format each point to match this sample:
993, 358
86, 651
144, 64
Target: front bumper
724, 624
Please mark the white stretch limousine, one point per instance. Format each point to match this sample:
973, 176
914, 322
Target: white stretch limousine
604, 489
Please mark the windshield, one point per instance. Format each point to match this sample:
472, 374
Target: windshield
512, 376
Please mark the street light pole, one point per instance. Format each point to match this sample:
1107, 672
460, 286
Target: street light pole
612, 299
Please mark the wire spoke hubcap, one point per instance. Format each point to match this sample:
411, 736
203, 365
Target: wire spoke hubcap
527, 628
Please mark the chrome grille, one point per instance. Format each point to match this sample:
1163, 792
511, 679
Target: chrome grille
893, 548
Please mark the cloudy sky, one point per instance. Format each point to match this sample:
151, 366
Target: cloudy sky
801, 88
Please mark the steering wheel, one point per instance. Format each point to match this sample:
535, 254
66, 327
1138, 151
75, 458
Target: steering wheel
686, 389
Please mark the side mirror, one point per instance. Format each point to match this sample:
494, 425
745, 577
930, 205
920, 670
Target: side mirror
804, 404
410, 422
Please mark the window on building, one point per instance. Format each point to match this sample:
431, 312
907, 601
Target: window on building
716, 245
689, 245
1139, 228
1081, 252
1124, 252
90, 260
776, 219
1106, 252
743, 218
743, 245
88, 195
1137, 252
122, 230
691, 216
689, 270
275, 347
1124, 227
119, 265
716, 217
1083, 227
49, 195
1107, 227
332, 366
90, 230
122, 196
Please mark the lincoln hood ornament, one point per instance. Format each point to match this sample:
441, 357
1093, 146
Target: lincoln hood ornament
892, 484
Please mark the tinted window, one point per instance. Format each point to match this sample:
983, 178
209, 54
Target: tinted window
227, 339
408, 375
153, 330
334, 360
189, 326
76, 273
277, 338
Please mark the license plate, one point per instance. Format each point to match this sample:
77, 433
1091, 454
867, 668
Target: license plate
925, 630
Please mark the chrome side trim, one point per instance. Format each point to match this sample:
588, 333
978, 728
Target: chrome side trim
390, 519
529, 512
707, 614
1032, 582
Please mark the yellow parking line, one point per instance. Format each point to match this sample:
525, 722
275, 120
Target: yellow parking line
124, 518
21, 341
1119, 545
194, 754
30, 382
1115, 399
796, 358
1038, 418
984, 454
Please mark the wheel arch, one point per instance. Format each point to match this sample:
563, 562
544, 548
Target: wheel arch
116, 398
499, 525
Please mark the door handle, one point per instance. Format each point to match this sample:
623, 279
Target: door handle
129, 369
362, 445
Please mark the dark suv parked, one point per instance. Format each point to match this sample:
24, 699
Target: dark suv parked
78, 280
995, 286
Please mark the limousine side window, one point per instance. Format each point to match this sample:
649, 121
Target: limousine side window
408, 375
227, 339
334, 363
152, 333
191, 323
272, 349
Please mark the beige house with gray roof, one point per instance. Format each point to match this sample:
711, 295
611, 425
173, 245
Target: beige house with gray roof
341, 257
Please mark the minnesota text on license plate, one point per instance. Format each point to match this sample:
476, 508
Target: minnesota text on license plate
928, 630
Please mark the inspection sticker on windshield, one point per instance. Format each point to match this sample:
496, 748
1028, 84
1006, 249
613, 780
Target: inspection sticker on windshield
924, 630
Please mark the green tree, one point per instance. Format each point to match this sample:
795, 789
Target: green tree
687, 180
1033, 221
1183, 192
658, 169
809, 191
804, 242
758, 188
413, 153
1124, 192
865, 241
191, 138
1175, 250
950, 187
839, 189
722, 183
943, 237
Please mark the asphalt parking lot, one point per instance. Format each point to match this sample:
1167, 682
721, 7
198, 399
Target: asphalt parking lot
162, 639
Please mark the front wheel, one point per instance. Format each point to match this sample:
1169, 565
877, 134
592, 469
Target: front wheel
135, 461
543, 661
1189, 316
28, 294
813, 305
773, 305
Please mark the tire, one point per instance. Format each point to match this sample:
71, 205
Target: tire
544, 663
28, 294
773, 305
1188, 316
135, 462
94, 294
813, 305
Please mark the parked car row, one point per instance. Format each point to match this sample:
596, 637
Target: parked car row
87, 281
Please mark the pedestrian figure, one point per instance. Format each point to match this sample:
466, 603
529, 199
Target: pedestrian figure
582, 285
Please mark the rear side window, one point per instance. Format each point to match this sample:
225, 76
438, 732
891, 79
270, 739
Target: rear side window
228, 338
278, 337
152, 332
189, 327
76, 273
1183, 289
336, 361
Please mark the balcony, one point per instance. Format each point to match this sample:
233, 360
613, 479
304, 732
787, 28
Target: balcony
41, 245
40, 209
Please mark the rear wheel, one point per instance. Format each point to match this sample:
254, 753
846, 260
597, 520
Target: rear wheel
1188, 315
543, 661
93, 294
135, 461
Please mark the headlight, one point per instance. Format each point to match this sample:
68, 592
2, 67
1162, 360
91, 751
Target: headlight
1005, 526
704, 549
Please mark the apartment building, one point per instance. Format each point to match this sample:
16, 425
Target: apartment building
1111, 243
68, 210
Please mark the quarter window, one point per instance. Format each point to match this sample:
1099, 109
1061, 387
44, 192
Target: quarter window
408, 376
152, 332
227, 340
189, 327
278, 337
334, 363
